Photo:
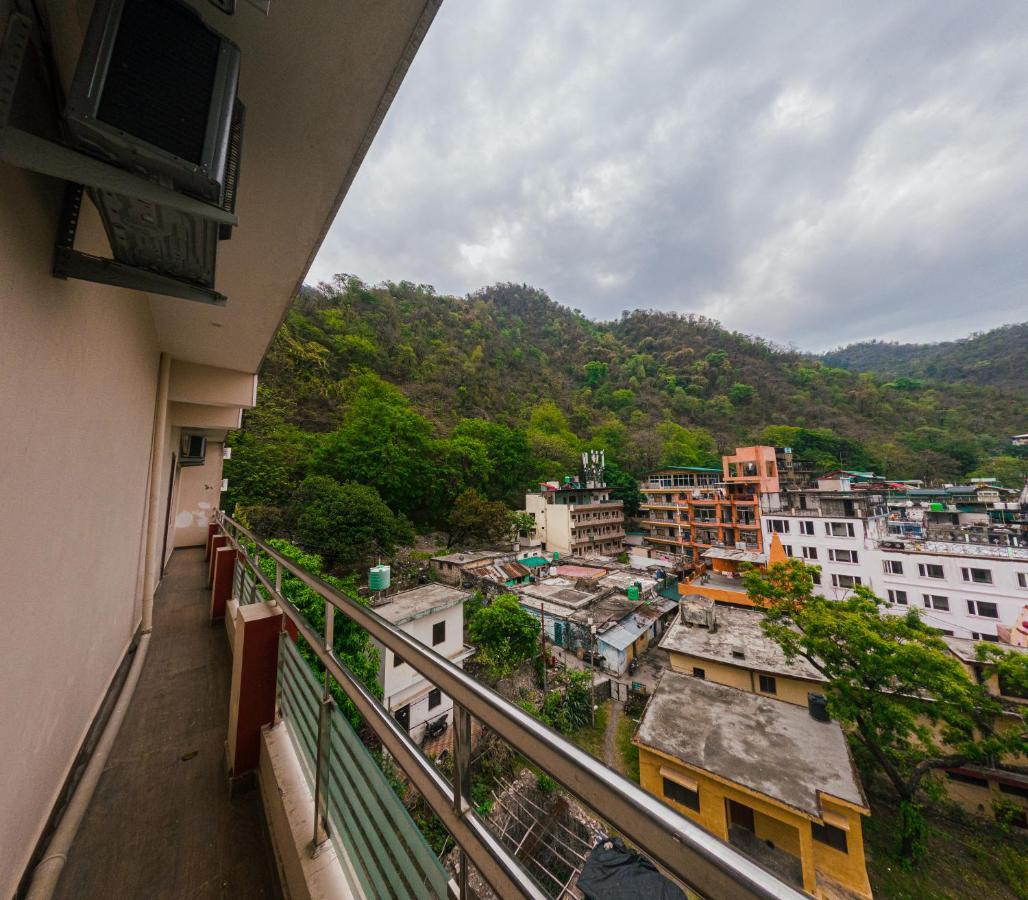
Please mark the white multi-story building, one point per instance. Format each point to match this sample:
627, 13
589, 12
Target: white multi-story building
965, 589
434, 614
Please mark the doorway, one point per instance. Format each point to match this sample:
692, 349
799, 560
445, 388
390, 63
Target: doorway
402, 715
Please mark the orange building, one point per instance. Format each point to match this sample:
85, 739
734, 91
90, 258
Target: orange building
690, 509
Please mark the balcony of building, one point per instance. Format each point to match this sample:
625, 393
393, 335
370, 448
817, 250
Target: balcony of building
236, 773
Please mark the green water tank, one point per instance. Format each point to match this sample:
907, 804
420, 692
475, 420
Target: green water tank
936, 507
378, 578
556, 556
633, 592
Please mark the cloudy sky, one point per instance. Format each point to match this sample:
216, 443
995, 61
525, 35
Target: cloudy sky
815, 173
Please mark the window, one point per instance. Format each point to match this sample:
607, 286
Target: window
438, 633
806, 527
846, 556
738, 653
397, 660
936, 601
1022, 579
681, 794
930, 570
830, 835
697, 672
810, 552
966, 778
839, 529
777, 526
768, 685
435, 697
1015, 790
892, 567
815, 576
977, 576
846, 581
983, 608
899, 597
788, 549
985, 637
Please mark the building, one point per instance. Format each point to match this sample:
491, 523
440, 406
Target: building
1019, 440
434, 614
453, 568
726, 645
689, 509
578, 516
762, 774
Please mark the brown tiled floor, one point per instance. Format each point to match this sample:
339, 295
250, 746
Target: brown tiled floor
161, 824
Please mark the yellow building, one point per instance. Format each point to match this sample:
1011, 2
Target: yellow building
726, 644
761, 774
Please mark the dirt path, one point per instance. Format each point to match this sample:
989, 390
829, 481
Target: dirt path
610, 750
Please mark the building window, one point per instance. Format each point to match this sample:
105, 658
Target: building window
788, 549
985, 637
899, 597
768, 685
983, 608
806, 527
438, 633
810, 552
697, 672
830, 835
930, 570
892, 567
435, 697
977, 576
815, 576
1022, 579
845, 581
936, 601
966, 778
681, 794
846, 556
777, 526
839, 529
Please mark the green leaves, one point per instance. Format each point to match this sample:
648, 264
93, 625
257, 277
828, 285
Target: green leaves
504, 636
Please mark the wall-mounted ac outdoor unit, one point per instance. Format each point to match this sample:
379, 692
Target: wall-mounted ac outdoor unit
153, 133
193, 451
155, 94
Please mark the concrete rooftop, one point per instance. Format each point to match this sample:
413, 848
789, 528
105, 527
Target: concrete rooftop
738, 630
410, 605
777, 749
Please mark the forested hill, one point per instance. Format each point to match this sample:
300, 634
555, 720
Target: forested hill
998, 358
420, 395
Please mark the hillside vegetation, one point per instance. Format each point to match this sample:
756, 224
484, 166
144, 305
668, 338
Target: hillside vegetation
997, 358
421, 397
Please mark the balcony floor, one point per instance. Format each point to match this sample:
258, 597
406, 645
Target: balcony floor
161, 824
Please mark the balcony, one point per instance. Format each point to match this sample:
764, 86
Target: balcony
162, 814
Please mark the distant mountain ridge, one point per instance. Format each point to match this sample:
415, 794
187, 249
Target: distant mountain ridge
997, 358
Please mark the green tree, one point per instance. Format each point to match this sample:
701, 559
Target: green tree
906, 702
504, 636
624, 488
384, 444
511, 466
1009, 471
473, 518
595, 373
347, 524
741, 394
569, 706
554, 445
686, 446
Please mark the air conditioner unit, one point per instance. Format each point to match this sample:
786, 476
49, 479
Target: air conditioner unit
154, 94
193, 451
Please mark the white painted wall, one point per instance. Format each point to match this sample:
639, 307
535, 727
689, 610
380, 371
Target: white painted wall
78, 383
1005, 591
403, 684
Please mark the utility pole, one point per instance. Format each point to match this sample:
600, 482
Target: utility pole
592, 672
542, 610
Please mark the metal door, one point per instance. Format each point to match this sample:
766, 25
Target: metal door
618, 690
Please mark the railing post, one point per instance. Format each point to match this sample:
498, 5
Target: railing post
321, 771
461, 781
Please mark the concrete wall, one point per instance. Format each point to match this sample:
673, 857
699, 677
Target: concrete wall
789, 830
78, 383
199, 494
789, 690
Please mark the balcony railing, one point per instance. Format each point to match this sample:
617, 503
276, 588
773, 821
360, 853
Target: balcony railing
681, 848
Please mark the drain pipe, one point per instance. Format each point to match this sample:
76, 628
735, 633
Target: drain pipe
48, 871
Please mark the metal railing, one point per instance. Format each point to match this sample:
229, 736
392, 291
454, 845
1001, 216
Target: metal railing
683, 849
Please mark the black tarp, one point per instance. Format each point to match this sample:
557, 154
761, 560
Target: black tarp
613, 872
